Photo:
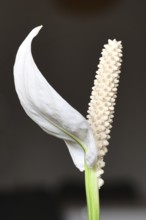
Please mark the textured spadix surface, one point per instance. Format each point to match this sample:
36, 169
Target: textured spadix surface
49, 110
103, 97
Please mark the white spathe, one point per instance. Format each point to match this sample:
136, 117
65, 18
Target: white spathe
49, 110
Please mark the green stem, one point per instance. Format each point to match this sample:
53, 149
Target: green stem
92, 193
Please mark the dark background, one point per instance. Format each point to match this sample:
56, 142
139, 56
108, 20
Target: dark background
67, 52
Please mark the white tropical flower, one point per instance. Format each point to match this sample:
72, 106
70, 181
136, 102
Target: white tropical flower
86, 140
49, 110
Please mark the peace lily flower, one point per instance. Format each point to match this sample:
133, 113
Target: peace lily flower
86, 139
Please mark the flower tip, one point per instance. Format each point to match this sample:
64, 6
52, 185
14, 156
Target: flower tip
36, 30
114, 41
40, 26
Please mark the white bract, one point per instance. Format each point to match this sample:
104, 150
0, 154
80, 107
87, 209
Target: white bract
49, 110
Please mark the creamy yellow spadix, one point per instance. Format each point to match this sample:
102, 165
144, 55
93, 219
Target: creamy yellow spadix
103, 97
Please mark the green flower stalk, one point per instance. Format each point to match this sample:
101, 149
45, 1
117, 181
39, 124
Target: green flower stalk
86, 140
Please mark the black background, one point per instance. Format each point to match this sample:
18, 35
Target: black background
67, 51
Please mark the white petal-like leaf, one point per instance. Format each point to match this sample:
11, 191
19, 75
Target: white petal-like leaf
48, 109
